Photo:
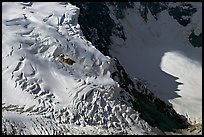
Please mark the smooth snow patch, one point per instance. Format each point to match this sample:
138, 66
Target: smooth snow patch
146, 48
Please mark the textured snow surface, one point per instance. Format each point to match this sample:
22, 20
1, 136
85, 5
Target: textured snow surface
42, 95
159, 53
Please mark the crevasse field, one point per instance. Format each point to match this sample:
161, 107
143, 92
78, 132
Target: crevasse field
43, 94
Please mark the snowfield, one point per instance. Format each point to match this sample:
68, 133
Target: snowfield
159, 53
43, 95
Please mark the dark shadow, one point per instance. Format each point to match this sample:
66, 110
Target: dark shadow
144, 49
153, 110
141, 58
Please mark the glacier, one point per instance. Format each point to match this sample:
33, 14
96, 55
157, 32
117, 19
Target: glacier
43, 95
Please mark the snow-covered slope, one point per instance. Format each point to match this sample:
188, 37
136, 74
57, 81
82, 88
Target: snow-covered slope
159, 52
42, 93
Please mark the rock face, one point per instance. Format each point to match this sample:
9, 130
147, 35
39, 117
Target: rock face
65, 81
66, 60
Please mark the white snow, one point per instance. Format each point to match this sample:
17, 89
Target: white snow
159, 52
190, 102
46, 96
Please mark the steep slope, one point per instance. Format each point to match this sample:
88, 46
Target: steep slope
163, 54
145, 37
57, 82
45, 94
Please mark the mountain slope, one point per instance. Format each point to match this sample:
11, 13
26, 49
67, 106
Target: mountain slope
57, 82
42, 93
164, 58
146, 45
